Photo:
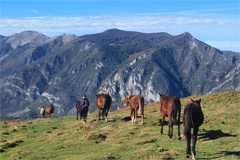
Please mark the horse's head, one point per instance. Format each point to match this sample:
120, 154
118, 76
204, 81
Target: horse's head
196, 101
77, 102
162, 97
127, 100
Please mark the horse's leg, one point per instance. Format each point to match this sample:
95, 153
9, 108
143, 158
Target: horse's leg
80, 115
136, 113
106, 113
132, 114
103, 113
77, 115
194, 141
188, 148
142, 117
53, 115
178, 122
170, 128
99, 114
163, 119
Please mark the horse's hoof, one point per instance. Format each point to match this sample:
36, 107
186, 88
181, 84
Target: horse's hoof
179, 138
187, 155
193, 157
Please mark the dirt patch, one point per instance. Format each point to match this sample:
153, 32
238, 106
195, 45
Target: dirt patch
162, 149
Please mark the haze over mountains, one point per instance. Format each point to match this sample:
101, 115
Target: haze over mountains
36, 70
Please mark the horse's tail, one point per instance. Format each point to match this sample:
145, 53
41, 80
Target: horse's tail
141, 106
107, 102
175, 107
187, 119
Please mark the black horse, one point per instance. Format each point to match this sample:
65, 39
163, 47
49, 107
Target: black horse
192, 118
78, 107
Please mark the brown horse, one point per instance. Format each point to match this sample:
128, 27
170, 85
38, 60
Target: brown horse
170, 107
192, 118
136, 103
103, 104
49, 110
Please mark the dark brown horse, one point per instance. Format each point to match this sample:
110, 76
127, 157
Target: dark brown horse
49, 110
192, 118
78, 107
103, 104
170, 107
136, 103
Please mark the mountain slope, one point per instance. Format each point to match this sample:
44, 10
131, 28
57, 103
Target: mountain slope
117, 62
67, 138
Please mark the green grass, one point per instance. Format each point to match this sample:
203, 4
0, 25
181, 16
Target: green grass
67, 138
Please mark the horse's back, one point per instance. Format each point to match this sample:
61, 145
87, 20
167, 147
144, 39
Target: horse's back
194, 111
197, 115
100, 100
103, 100
135, 100
169, 102
49, 110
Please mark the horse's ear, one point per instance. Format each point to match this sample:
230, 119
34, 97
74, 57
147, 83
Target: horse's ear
199, 101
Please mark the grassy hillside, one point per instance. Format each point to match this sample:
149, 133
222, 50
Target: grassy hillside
67, 138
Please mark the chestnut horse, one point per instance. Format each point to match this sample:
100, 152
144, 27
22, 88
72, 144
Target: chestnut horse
170, 107
49, 110
192, 118
136, 103
103, 103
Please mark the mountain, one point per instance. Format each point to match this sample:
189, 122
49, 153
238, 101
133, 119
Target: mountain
61, 69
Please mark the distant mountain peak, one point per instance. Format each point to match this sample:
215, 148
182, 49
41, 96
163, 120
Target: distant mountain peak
65, 38
187, 35
113, 30
25, 37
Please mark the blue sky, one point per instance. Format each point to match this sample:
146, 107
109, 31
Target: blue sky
215, 22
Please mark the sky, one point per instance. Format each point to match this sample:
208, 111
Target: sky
215, 22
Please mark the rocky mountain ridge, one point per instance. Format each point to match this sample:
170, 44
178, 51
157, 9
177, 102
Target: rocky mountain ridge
61, 69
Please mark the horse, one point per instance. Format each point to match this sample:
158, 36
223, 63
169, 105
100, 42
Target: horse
171, 108
78, 107
136, 103
103, 104
49, 110
192, 118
